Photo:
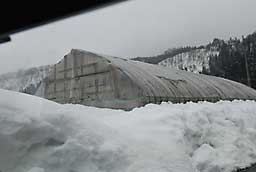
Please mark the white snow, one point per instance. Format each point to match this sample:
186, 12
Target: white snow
192, 61
22, 79
37, 135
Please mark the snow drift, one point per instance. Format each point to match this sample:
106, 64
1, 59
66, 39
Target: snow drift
37, 135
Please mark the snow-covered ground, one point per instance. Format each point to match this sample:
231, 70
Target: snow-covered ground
37, 135
192, 61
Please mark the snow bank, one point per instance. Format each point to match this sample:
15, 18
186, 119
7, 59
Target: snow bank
38, 135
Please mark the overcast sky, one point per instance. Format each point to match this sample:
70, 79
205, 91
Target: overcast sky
130, 29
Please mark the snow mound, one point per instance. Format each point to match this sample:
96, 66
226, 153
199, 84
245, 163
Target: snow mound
37, 135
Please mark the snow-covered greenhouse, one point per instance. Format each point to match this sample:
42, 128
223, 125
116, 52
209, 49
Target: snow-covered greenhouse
97, 80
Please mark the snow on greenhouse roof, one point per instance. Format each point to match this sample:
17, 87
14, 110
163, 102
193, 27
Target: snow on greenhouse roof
159, 81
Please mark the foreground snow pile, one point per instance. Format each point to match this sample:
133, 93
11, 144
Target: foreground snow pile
37, 135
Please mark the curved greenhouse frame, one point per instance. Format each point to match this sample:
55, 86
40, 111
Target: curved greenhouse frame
104, 81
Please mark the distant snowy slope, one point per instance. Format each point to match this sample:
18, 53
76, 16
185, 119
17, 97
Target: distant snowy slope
37, 135
26, 80
195, 61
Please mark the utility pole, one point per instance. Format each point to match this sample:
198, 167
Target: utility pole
247, 69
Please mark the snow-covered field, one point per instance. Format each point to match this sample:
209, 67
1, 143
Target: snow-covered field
38, 135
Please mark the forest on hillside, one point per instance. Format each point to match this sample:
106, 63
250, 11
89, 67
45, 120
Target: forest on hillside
236, 60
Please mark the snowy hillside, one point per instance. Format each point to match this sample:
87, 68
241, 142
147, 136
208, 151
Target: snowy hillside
38, 135
24, 80
194, 61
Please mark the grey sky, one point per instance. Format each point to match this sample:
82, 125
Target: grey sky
136, 28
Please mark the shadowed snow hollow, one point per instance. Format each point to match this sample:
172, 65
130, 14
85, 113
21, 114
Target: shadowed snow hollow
38, 135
